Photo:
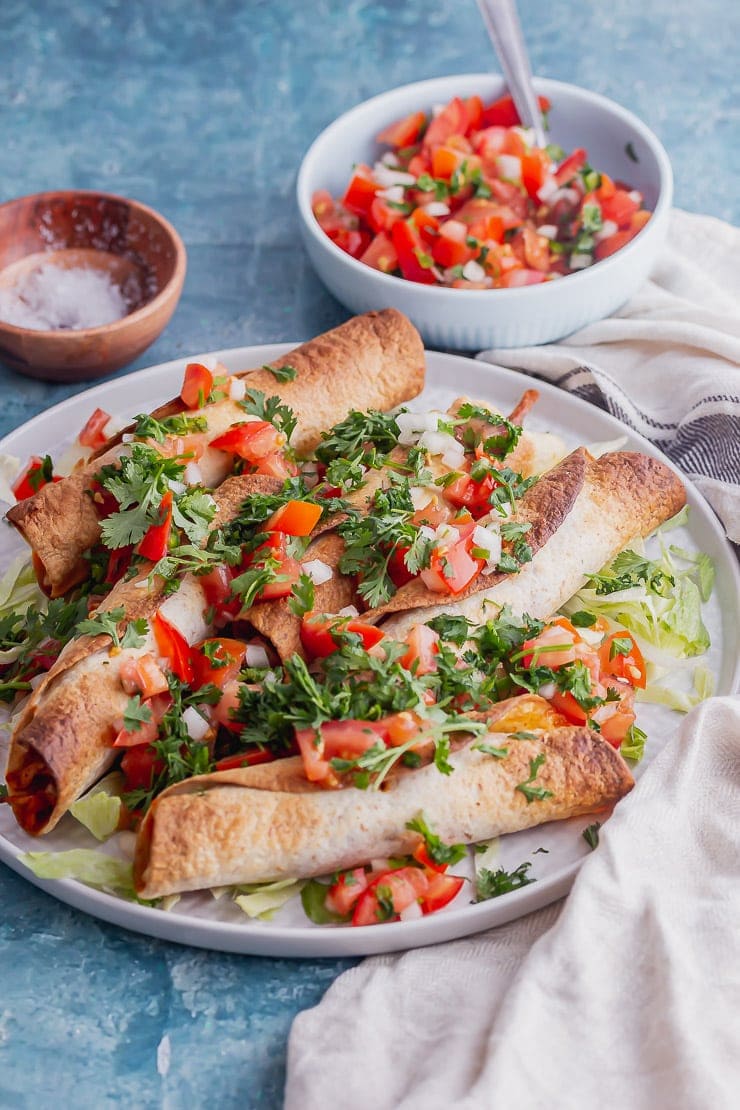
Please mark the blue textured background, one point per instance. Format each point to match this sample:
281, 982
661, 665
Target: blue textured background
204, 110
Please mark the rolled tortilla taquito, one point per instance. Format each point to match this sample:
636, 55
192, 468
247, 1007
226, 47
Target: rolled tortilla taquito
583, 512
62, 740
269, 822
372, 361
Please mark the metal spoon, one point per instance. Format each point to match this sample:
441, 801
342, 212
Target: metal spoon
502, 23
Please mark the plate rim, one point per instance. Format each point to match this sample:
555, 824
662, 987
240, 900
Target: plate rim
267, 939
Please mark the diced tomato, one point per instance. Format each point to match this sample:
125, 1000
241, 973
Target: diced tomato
360, 192
31, 480
342, 895
423, 647
516, 279
399, 728
389, 894
197, 385
638, 220
427, 226
629, 666
568, 169
535, 164
244, 759
287, 571
143, 675
148, 730
216, 586
452, 120
353, 242
612, 244
451, 570
381, 254
474, 111
445, 160
217, 661
404, 132
92, 434
440, 891
619, 208
566, 704
335, 740
119, 561
253, 441
472, 495
222, 713
318, 633
616, 718
381, 216
451, 248
531, 248
539, 648
503, 113
411, 253
295, 518
155, 543
174, 647
140, 765
322, 205
275, 466
398, 572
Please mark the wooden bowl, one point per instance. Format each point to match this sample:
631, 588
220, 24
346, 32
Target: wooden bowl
132, 243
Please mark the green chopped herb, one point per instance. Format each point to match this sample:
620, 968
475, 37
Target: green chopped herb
591, 834
492, 884
534, 793
284, 373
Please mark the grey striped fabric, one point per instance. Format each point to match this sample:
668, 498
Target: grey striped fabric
668, 363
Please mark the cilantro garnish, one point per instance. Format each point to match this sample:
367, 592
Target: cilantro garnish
492, 884
498, 444
361, 435
38, 476
284, 373
271, 409
630, 569
534, 793
181, 424
489, 749
591, 834
437, 850
135, 714
106, 623
301, 597
583, 619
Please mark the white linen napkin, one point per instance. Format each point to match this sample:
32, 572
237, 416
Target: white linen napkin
668, 363
628, 995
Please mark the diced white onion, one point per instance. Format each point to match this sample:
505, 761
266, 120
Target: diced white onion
608, 228
411, 913
412, 424
420, 496
209, 361
635, 195
548, 690
427, 533
385, 176
380, 864
580, 261
489, 541
393, 193
437, 443
527, 133
176, 487
509, 166
473, 271
547, 190
237, 389
127, 437
389, 158
591, 636
142, 584
446, 535
63, 466
548, 230
195, 724
256, 656
438, 108
349, 611
193, 475
454, 459
571, 195
318, 571
437, 208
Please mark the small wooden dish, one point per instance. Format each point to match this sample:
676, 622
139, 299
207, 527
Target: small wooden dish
136, 246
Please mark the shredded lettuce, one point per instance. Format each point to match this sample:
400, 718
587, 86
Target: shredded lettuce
19, 588
676, 521
655, 599
9, 468
87, 866
263, 900
100, 809
655, 694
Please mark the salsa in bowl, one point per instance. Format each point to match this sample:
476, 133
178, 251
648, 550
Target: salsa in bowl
455, 199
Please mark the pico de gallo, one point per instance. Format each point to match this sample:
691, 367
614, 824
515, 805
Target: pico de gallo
464, 199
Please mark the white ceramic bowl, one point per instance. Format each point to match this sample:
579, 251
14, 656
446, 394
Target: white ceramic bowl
472, 318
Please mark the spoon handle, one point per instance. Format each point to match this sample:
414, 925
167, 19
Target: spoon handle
502, 23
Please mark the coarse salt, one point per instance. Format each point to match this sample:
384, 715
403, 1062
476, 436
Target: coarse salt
51, 298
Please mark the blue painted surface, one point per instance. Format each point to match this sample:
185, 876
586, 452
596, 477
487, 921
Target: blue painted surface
204, 110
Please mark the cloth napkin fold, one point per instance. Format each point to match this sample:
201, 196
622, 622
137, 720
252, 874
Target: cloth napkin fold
668, 363
629, 994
